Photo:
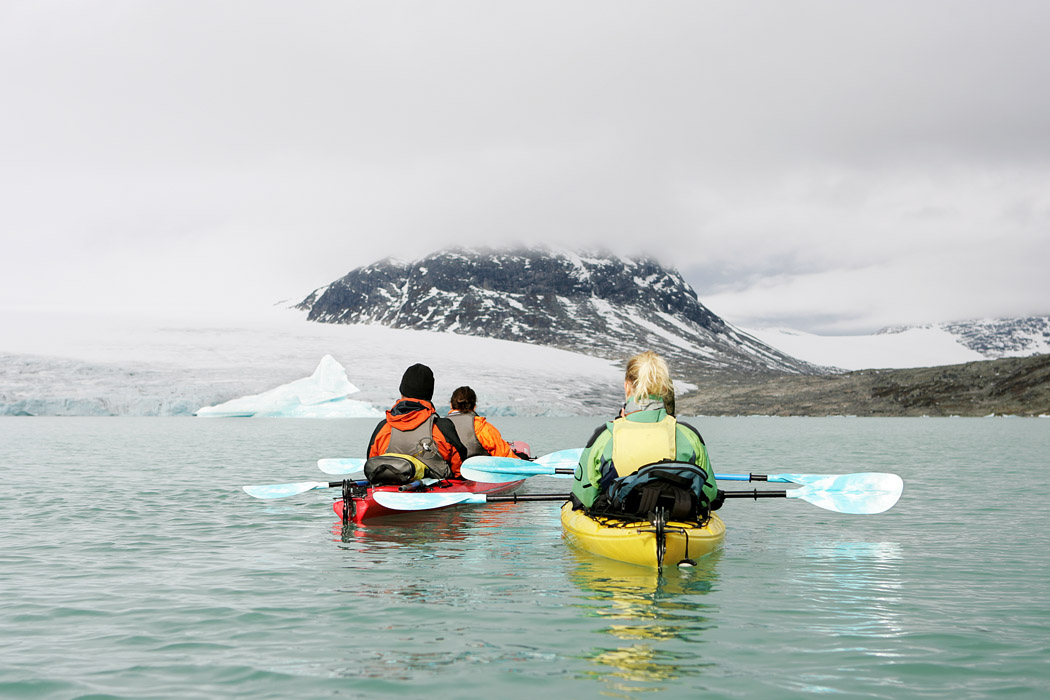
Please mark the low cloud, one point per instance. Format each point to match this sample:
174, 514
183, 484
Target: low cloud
834, 167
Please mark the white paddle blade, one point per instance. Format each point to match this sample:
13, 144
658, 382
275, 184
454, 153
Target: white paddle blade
872, 478
497, 470
504, 465
283, 490
407, 500
484, 476
865, 493
561, 459
341, 465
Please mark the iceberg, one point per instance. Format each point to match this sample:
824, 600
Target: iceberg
321, 395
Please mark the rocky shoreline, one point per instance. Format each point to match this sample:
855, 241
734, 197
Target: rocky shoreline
1010, 386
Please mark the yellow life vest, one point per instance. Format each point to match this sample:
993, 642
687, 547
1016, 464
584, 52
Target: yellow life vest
636, 444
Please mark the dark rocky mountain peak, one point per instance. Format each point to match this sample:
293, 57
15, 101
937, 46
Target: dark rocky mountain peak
593, 302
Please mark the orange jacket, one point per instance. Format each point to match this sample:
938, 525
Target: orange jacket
407, 414
491, 440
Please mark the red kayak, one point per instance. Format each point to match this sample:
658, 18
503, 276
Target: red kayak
363, 506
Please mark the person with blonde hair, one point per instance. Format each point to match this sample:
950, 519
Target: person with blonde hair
646, 434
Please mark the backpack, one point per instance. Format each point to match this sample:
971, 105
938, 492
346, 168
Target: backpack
676, 487
394, 469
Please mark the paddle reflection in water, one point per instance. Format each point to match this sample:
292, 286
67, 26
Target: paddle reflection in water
860, 582
413, 535
659, 616
426, 527
454, 588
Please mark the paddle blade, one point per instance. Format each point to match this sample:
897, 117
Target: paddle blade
865, 493
497, 470
341, 465
485, 476
407, 500
283, 490
507, 465
561, 459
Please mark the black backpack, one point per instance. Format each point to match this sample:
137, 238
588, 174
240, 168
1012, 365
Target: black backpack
394, 469
676, 487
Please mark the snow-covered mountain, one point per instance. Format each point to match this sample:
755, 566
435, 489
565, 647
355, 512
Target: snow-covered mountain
927, 345
602, 305
995, 338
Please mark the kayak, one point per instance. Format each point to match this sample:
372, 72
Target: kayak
363, 505
635, 542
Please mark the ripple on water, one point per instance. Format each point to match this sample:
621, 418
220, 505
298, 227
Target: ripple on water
146, 573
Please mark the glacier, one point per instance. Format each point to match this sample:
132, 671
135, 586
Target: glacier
59, 363
70, 364
324, 394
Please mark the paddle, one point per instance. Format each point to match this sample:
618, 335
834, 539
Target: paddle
865, 493
341, 465
346, 465
499, 470
285, 490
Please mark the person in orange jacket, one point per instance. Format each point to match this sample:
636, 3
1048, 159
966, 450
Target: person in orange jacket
478, 435
413, 427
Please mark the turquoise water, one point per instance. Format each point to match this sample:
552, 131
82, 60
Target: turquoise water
132, 566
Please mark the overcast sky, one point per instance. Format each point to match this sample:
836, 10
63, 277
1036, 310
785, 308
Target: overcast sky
830, 166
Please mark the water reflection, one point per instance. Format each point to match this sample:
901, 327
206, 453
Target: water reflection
404, 529
657, 616
421, 529
855, 597
442, 554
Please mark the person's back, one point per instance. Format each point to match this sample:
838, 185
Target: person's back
478, 435
413, 427
646, 433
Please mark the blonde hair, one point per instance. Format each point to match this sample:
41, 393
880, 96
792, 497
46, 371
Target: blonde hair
648, 376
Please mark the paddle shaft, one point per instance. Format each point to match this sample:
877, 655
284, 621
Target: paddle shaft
754, 493
720, 477
528, 497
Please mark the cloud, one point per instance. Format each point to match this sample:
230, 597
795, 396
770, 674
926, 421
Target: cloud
193, 155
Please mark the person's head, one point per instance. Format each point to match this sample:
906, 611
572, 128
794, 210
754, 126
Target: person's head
417, 383
463, 399
647, 375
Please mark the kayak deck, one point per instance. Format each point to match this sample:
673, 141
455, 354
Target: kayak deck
364, 507
635, 542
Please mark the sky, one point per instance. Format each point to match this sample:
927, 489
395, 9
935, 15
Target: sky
834, 167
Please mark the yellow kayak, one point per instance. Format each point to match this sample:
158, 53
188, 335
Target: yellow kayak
635, 542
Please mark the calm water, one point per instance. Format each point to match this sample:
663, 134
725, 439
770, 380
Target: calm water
132, 566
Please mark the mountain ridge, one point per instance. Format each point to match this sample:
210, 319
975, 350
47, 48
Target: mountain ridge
1014, 386
600, 304
993, 338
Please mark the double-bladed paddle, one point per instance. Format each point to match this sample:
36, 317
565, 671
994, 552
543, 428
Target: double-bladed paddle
354, 465
499, 470
341, 465
865, 493
561, 458
285, 490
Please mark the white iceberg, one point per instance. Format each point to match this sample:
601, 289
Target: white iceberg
321, 395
